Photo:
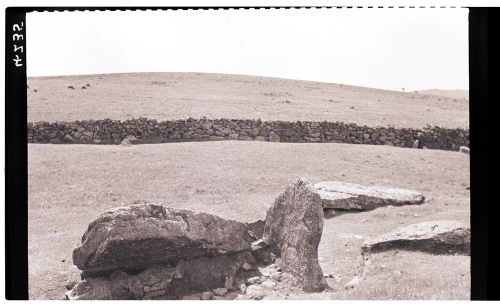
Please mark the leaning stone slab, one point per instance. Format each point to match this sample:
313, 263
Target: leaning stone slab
293, 228
347, 196
144, 234
437, 237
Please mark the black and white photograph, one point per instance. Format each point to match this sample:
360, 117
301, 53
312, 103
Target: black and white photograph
249, 154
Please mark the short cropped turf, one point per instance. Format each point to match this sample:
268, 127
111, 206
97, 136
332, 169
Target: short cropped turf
69, 185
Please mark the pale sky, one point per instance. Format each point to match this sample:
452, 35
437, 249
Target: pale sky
380, 48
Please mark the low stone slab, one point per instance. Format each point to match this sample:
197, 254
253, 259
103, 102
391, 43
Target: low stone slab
294, 224
437, 237
348, 196
141, 235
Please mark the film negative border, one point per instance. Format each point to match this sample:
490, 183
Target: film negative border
206, 8
482, 21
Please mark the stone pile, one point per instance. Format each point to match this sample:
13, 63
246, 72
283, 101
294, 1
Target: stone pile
149, 251
152, 131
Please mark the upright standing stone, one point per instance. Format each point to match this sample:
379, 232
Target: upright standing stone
294, 224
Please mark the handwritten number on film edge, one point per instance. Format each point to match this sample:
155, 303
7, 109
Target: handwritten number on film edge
18, 49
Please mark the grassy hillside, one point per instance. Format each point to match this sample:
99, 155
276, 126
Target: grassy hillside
457, 94
181, 95
69, 185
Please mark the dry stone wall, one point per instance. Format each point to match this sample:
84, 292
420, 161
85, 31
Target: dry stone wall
152, 131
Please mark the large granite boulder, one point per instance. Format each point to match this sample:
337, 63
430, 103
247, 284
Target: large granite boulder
348, 196
144, 234
437, 237
293, 228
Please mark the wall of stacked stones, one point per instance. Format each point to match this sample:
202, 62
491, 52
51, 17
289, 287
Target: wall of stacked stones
152, 131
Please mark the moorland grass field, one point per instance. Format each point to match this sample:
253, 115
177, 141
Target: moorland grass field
166, 96
69, 185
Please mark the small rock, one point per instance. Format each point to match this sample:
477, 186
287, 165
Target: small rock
191, 297
352, 283
275, 276
70, 284
220, 291
68, 138
329, 213
259, 244
464, 149
207, 295
269, 284
255, 292
218, 298
229, 282
333, 275
254, 280
242, 286
246, 266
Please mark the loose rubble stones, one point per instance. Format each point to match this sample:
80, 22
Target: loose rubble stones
438, 237
348, 196
294, 224
141, 235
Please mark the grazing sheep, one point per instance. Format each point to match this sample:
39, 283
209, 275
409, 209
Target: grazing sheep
84, 87
71, 87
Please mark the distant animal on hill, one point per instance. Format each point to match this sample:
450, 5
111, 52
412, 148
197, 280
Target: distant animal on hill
84, 87
71, 87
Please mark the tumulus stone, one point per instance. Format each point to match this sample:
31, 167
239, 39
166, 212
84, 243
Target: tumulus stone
438, 237
348, 196
145, 234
